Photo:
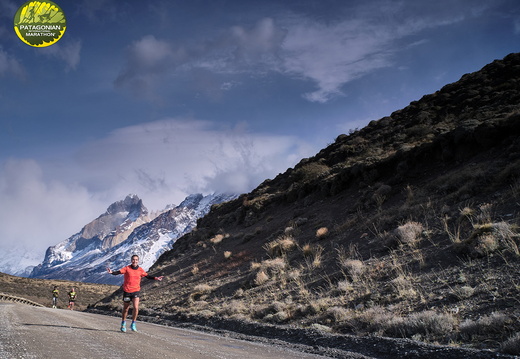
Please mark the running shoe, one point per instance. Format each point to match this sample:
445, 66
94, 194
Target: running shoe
132, 326
123, 327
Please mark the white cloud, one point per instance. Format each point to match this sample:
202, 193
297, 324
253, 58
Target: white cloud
37, 213
166, 160
149, 61
329, 54
260, 44
334, 53
11, 66
44, 203
68, 52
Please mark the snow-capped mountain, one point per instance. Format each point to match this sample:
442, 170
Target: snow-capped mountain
18, 261
123, 230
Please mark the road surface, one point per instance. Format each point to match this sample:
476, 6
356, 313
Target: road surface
39, 333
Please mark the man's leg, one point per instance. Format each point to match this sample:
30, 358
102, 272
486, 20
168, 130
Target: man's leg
135, 302
126, 306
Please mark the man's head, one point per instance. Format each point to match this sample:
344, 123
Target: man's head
135, 260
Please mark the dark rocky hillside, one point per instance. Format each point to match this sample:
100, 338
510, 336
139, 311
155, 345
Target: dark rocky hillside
406, 228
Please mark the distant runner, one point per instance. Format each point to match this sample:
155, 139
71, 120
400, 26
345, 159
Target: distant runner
55, 294
72, 298
131, 287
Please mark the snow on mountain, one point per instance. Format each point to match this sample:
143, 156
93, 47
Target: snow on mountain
124, 230
19, 261
104, 232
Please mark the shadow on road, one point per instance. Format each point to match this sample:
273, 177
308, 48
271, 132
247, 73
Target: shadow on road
65, 326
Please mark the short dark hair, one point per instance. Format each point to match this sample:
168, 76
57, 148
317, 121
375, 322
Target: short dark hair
134, 255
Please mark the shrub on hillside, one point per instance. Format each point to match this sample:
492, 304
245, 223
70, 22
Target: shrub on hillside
200, 292
512, 345
496, 323
218, 238
428, 324
280, 246
322, 232
355, 268
409, 233
234, 307
311, 171
261, 278
488, 238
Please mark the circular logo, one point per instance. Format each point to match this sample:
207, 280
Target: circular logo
40, 23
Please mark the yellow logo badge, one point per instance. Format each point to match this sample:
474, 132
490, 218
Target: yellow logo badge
40, 23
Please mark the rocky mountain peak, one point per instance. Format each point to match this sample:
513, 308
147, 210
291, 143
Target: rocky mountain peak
131, 204
124, 229
192, 201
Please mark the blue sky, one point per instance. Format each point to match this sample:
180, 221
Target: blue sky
167, 98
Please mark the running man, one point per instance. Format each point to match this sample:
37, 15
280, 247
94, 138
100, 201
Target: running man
72, 298
55, 294
131, 287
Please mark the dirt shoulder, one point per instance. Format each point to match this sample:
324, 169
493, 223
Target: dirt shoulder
311, 340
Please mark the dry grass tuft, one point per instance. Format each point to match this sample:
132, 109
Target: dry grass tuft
355, 268
261, 278
338, 314
277, 264
404, 287
195, 269
463, 292
307, 250
280, 246
489, 324
488, 238
427, 324
202, 288
322, 232
345, 286
512, 345
409, 233
217, 239
315, 261
234, 308
200, 292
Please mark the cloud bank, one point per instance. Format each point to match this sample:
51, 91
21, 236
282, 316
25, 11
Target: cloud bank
37, 212
162, 162
326, 54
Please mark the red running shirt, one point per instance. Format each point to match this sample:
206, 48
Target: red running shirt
132, 280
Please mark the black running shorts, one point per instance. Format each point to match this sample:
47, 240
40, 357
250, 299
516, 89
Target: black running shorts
127, 297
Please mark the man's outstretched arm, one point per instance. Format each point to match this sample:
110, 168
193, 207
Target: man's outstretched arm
113, 272
154, 278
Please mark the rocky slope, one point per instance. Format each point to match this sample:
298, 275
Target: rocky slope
405, 228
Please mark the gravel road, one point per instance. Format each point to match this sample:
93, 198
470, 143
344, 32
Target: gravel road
41, 333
